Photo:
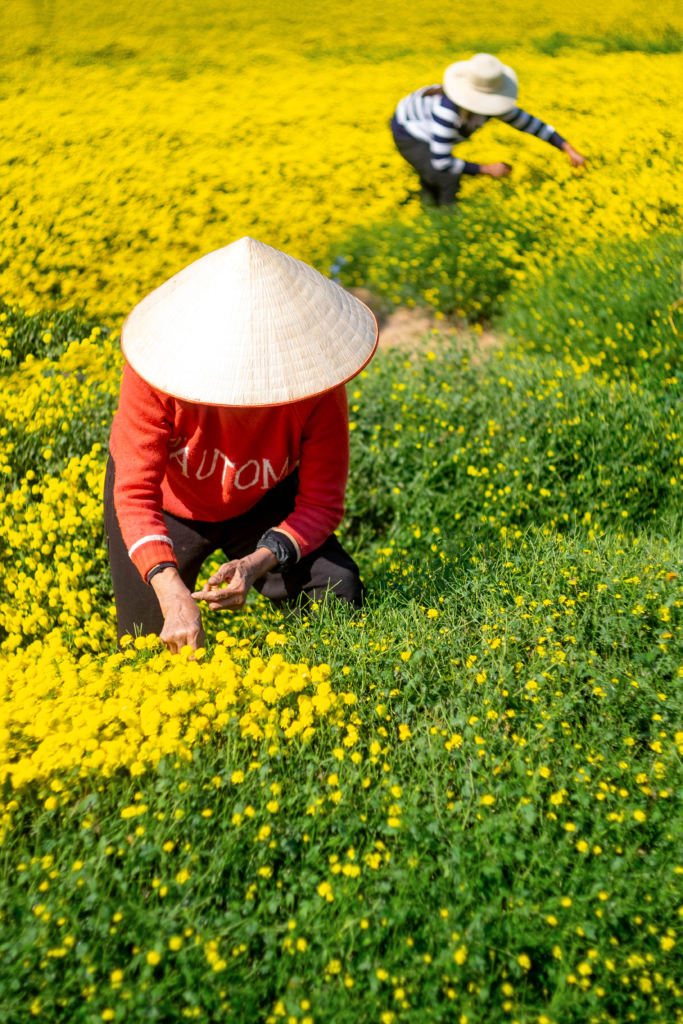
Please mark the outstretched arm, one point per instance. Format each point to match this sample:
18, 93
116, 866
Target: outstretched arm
525, 122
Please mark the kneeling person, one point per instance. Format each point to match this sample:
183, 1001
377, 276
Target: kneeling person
232, 433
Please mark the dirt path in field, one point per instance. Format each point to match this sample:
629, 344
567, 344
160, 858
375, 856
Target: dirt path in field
406, 329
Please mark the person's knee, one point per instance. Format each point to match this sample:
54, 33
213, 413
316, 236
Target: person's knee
343, 584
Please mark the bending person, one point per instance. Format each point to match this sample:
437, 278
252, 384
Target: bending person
429, 122
232, 433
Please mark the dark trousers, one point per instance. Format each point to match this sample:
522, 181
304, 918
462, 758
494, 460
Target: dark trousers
328, 569
440, 187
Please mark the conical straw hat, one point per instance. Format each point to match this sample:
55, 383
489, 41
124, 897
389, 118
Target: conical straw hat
248, 325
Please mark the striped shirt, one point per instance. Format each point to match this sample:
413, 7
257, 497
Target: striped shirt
430, 116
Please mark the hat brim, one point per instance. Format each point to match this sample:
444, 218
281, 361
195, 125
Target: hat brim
458, 88
248, 325
260, 403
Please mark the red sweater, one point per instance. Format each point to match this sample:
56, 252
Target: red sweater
212, 463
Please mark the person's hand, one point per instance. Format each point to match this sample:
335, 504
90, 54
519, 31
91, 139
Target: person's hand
182, 618
575, 159
495, 170
240, 575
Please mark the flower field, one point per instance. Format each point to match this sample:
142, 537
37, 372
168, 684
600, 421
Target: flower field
464, 803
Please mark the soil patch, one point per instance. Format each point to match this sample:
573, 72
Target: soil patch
408, 329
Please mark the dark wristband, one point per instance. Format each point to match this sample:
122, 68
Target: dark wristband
282, 547
160, 568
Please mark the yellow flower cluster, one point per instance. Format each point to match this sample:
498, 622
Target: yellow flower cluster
130, 149
174, 149
60, 713
44, 395
54, 556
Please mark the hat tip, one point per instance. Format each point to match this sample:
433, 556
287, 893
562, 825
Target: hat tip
247, 241
249, 249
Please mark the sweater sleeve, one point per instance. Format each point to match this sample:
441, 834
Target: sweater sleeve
445, 116
142, 428
524, 122
323, 471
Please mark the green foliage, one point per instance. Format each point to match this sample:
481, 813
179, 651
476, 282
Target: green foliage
512, 799
455, 262
553, 43
59, 374
523, 440
494, 260
44, 335
669, 40
611, 302
535, 834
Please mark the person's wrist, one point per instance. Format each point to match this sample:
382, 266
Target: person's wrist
161, 567
258, 563
162, 580
263, 560
169, 587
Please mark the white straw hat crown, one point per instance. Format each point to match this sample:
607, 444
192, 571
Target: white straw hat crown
482, 85
248, 325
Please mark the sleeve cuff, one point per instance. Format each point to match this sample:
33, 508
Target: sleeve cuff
150, 551
556, 140
283, 547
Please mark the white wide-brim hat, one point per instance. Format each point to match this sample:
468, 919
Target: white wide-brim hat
482, 85
248, 325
